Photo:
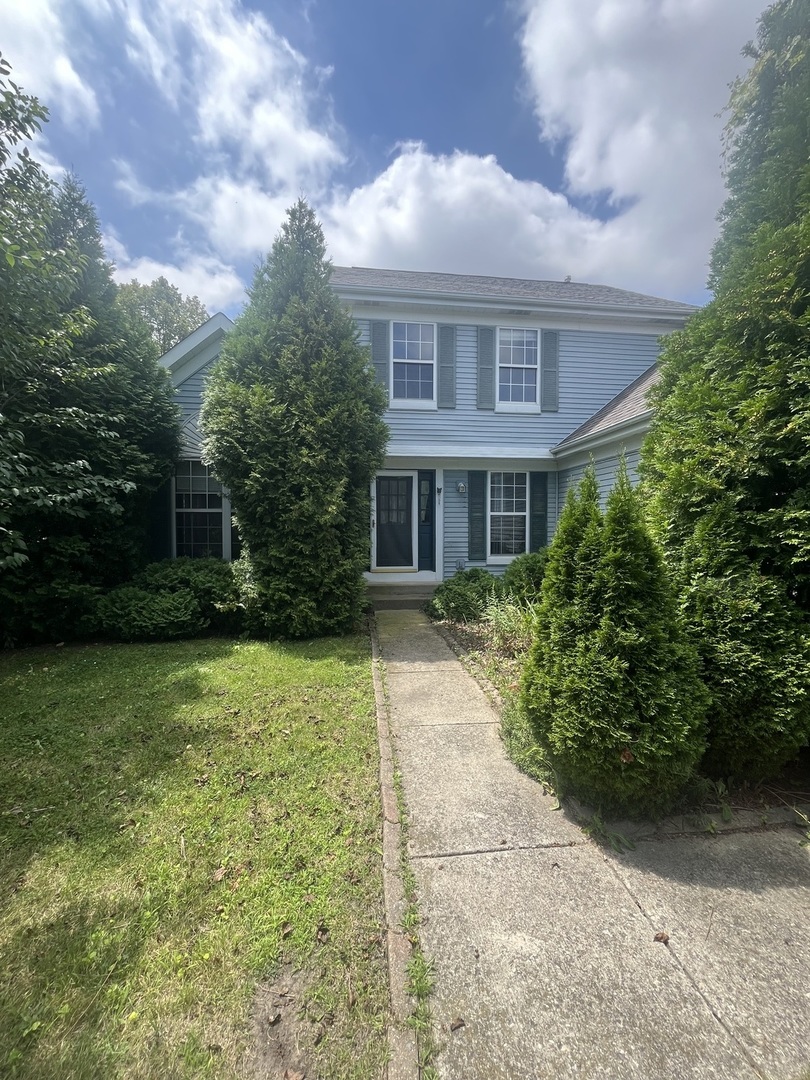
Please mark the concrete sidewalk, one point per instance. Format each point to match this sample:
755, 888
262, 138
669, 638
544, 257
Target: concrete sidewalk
544, 944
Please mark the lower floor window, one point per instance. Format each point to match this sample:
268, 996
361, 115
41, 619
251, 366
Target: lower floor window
508, 507
199, 516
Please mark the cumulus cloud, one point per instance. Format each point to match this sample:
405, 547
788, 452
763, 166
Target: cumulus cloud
631, 90
195, 274
457, 213
627, 90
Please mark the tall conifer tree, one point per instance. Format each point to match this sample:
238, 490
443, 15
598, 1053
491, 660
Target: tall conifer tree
293, 424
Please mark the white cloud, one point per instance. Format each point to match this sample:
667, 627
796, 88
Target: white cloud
634, 88
251, 94
458, 213
195, 274
36, 44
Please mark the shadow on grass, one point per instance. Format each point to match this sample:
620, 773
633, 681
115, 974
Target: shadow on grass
85, 731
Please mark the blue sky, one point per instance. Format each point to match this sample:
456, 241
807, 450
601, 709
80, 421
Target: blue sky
531, 138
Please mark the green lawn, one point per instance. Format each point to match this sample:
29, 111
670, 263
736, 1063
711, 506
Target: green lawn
180, 824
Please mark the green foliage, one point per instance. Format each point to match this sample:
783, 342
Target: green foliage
464, 597
174, 598
210, 581
611, 688
523, 577
728, 468
754, 648
293, 424
168, 314
767, 136
88, 425
511, 623
129, 613
727, 463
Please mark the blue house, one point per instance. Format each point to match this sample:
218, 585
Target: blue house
500, 391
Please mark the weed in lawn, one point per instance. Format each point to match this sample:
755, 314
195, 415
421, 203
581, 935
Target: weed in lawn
177, 822
602, 833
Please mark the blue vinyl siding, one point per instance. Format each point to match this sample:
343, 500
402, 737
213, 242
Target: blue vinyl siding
189, 393
455, 520
606, 470
455, 523
593, 368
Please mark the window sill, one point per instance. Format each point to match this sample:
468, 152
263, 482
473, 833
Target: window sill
416, 403
518, 407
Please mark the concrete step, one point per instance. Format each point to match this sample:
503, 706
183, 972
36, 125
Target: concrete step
400, 597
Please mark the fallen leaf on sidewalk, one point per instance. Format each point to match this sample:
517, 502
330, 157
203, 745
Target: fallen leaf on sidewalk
662, 936
456, 1024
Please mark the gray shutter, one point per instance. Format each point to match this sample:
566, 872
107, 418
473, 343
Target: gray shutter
538, 510
380, 352
550, 372
477, 516
486, 367
447, 367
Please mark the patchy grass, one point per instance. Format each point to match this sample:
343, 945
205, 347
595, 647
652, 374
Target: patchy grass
181, 824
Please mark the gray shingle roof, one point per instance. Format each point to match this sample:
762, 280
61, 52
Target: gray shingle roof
473, 285
630, 404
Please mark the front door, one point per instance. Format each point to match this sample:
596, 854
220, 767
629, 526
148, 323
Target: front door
394, 522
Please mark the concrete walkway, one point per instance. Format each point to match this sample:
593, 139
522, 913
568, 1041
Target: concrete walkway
544, 944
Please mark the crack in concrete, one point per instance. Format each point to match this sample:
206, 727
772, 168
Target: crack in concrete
684, 968
551, 845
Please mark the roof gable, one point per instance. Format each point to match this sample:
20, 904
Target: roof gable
191, 354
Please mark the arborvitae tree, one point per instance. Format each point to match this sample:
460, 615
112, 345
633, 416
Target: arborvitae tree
560, 619
293, 425
754, 647
100, 411
612, 689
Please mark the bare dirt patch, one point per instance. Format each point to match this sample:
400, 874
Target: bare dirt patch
284, 1037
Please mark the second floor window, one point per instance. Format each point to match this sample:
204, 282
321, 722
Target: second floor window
517, 366
414, 356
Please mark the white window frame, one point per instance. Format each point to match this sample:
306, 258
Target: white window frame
414, 474
517, 406
502, 560
226, 516
413, 403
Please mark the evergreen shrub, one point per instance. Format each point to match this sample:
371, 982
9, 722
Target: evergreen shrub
523, 577
464, 597
611, 688
755, 652
210, 581
132, 614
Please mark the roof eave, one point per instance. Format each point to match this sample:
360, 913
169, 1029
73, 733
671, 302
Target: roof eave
636, 425
382, 293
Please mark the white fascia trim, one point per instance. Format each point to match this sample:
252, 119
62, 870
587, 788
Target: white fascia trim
185, 351
495, 304
639, 425
433, 451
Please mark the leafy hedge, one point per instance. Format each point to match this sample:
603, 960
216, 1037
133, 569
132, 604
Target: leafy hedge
523, 577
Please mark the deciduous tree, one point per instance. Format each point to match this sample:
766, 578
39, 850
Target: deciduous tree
169, 315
